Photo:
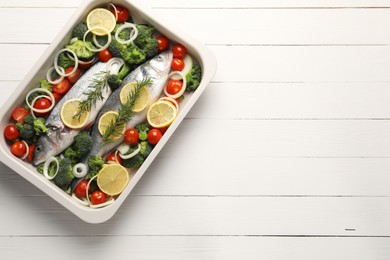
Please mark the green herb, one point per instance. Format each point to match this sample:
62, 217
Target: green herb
94, 94
125, 112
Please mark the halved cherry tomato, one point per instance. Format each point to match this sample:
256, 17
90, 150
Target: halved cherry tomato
74, 76
42, 103
81, 189
179, 51
57, 97
62, 87
11, 132
19, 113
174, 86
131, 136
30, 155
18, 149
177, 64
154, 136
111, 158
85, 66
163, 43
122, 13
105, 55
98, 197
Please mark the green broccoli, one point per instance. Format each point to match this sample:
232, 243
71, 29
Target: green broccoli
40, 168
95, 163
80, 49
124, 71
133, 162
146, 149
39, 126
46, 85
193, 78
143, 130
29, 119
114, 81
64, 61
71, 154
79, 31
124, 34
150, 48
81, 146
130, 53
145, 32
65, 174
26, 133
116, 48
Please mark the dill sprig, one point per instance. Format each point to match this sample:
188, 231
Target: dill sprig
125, 112
94, 94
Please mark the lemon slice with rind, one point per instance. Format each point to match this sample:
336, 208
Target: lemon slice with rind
68, 114
142, 100
98, 18
161, 114
112, 179
105, 120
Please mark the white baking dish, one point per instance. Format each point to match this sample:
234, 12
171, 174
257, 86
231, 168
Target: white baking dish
204, 57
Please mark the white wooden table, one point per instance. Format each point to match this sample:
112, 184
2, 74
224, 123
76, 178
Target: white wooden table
285, 156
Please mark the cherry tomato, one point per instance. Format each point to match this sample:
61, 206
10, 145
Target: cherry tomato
131, 136
122, 13
174, 86
85, 66
42, 103
11, 132
30, 155
179, 51
18, 149
111, 158
105, 55
57, 97
19, 114
163, 43
62, 87
74, 76
81, 189
163, 129
154, 136
177, 64
98, 197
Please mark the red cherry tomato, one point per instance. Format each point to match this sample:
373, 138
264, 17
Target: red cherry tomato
11, 132
85, 66
81, 189
62, 87
111, 158
177, 64
122, 13
131, 136
174, 86
18, 149
19, 113
42, 103
179, 51
74, 76
163, 129
98, 197
30, 155
163, 43
57, 97
154, 136
105, 55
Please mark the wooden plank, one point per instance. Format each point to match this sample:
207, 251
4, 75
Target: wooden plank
149, 248
255, 27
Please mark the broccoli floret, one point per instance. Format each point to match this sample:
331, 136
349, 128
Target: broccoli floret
116, 48
133, 162
124, 71
29, 119
72, 155
46, 85
79, 30
124, 34
146, 149
193, 78
39, 126
114, 81
95, 163
26, 133
65, 174
81, 146
143, 130
134, 55
64, 61
150, 48
145, 32
40, 168
80, 49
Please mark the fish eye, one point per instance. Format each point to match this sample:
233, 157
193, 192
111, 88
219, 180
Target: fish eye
53, 128
38, 148
159, 57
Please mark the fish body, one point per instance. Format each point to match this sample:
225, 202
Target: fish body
59, 137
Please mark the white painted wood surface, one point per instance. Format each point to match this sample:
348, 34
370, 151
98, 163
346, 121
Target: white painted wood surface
285, 156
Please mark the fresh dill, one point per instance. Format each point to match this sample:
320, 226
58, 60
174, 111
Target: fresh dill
94, 94
125, 112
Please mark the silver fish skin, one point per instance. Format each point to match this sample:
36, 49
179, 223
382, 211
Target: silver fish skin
157, 70
59, 137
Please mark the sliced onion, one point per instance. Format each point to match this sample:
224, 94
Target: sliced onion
57, 68
116, 10
171, 100
81, 201
183, 88
123, 148
50, 80
82, 167
73, 40
31, 106
103, 47
46, 167
27, 151
133, 34
128, 156
114, 65
108, 202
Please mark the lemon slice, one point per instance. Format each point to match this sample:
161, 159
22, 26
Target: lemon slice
68, 114
105, 120
161, 114
98, 18
143, 99
112, 179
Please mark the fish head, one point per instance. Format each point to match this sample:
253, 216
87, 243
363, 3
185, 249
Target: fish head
161, 64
